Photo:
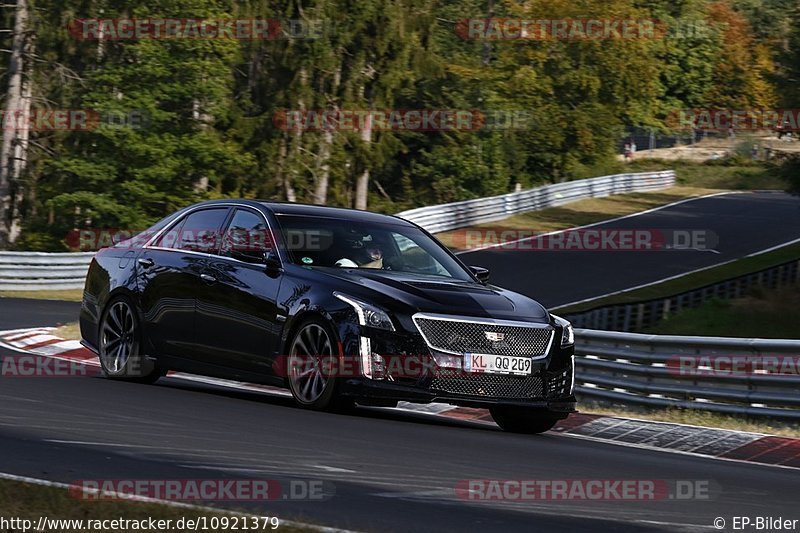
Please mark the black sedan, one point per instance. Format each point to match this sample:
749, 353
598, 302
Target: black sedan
339, 306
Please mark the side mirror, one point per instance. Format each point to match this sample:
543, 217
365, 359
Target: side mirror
272, 261
481, 273
267, 258
249, 256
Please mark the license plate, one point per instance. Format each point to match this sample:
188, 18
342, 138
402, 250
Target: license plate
498, 364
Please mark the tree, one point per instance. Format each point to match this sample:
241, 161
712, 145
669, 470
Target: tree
172, 149
14, 148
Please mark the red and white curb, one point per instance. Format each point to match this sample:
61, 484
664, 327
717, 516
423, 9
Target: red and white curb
41, 342
675, 438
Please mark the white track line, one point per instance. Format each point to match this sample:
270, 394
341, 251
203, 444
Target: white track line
640, 213
168, 503
670, 278
439, 414
607, 221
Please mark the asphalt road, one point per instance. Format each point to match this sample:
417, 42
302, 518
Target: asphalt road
388, 470
382, 470
744, 223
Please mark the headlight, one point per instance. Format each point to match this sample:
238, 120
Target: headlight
568, 334
368, 314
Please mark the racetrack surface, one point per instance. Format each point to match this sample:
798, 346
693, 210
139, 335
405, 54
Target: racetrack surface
745, 223
389, 470
393, 470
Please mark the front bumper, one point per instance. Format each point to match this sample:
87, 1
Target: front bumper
547, 388
380, 392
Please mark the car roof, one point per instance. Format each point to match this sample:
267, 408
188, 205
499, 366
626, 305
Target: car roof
291, 208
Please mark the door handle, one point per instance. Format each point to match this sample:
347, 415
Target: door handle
207, 278
146, 263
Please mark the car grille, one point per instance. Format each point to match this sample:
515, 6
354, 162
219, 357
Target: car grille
454, 336
542, 385
491, 385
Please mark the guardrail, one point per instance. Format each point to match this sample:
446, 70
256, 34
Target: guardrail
636, 316
446, 217
703, 373
32, 271
36, 271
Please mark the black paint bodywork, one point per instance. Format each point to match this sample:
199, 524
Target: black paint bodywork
239, 326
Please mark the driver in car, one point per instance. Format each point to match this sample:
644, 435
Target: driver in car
365, 255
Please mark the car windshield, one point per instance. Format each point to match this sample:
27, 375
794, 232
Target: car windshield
342, 243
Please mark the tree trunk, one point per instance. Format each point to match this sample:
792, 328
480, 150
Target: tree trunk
362, 182
321, 189
9, 164
20, 161
326, 144
285, 182
298, 142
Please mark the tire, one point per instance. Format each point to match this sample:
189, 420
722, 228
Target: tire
311, 348
120, 341
522, 420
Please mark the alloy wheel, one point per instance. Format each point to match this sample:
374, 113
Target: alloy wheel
309, 356
118, 340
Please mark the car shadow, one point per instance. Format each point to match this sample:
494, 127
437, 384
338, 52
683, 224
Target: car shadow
382, 413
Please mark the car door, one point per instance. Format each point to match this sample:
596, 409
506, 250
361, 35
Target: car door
237, 315
169, 278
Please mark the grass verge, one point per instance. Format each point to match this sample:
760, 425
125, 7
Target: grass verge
70, 331
694, 280
764, 313
695, 418
578, 213
74, 295
30, 502
749, 175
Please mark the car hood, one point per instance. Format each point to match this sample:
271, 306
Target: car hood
438, 295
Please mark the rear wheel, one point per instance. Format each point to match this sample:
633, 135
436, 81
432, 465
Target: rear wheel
120, 345
522, 420
312, 367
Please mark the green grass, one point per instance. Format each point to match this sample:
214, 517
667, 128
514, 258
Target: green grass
763, 313
29, 502
579, 213
694, 280
694, 417
70, 331
748, 175
74, 295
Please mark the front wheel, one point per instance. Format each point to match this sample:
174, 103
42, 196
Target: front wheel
312, 368
120, 351
522, 420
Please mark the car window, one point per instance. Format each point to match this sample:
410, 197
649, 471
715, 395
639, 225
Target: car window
246, 234
343, 243
415, 258
198, 232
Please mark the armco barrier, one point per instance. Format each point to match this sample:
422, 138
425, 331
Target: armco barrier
637, 316
703, 373
31, 271
446, 217
35, 271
